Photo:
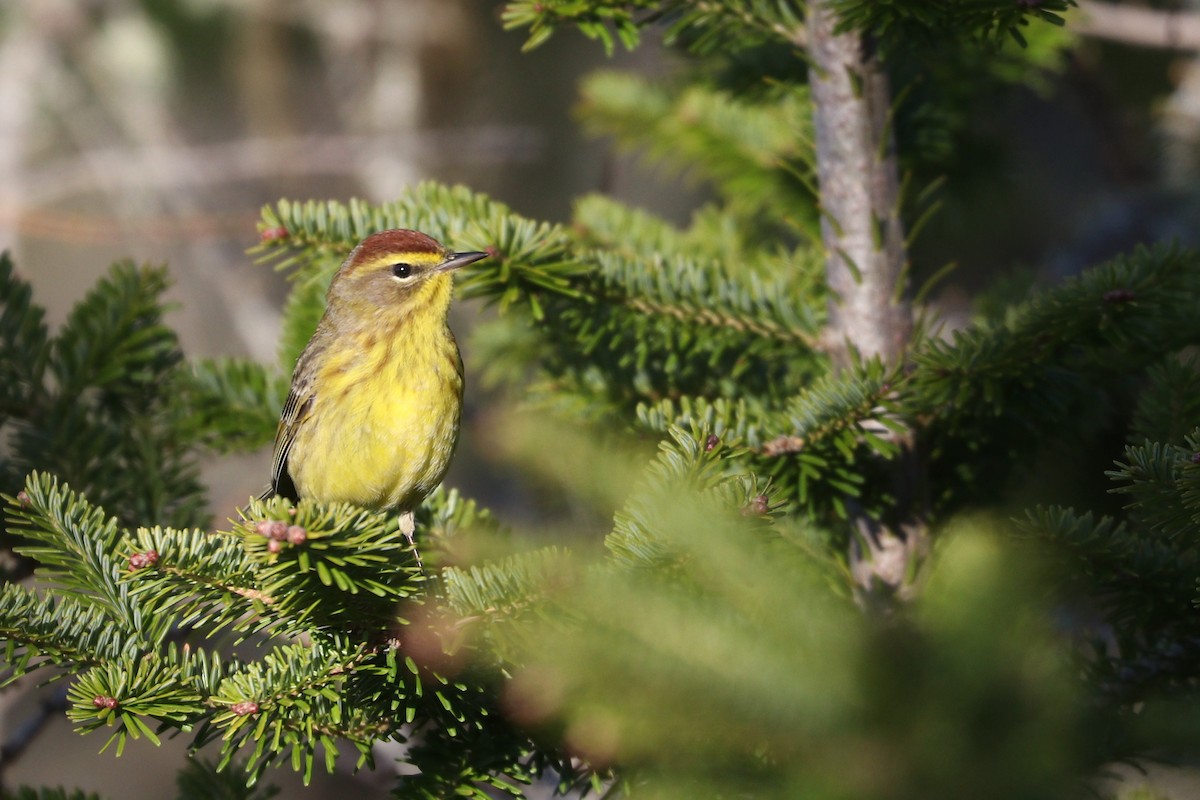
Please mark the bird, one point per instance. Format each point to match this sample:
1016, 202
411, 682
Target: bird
373, 412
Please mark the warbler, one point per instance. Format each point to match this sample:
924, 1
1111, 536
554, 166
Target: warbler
373, 414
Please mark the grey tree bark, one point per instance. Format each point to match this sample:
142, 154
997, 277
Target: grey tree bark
863, 237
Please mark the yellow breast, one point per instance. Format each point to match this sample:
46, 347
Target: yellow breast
384, 422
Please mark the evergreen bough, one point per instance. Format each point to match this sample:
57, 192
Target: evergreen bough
718, 647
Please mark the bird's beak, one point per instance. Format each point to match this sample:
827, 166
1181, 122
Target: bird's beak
457, 260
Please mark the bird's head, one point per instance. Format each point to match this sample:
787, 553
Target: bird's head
396, 271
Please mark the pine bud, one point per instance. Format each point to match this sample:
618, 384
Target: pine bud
104, 701
272, 234
711, 443
1119, 296
244, 708
1196, 458
274, 546
23, 499
296, 535
758, 506
272, 529
141, 560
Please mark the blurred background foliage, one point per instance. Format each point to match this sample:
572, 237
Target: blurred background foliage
156, 130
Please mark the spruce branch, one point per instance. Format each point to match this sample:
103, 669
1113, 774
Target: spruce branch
99, 407
1169, 406
44, 629
1139, 577
231, 404
74, 541
849, 409
130, 594
335, 567
1160, 484
1128, 312
114, 339
812, 445
288, 703
714, 235
207, 579
500, 590
486, 605
688, 464
987, 22
705, 25
758, 154
700, 293
820, 447
128, 694
24, 341
447, 514
742, 421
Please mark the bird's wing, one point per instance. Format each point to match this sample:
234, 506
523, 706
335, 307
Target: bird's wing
295, 411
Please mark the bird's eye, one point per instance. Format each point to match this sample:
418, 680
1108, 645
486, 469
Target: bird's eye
402, 270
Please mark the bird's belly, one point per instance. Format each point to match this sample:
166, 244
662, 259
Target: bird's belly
385, 443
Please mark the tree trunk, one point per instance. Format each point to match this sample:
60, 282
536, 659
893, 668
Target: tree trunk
865, 257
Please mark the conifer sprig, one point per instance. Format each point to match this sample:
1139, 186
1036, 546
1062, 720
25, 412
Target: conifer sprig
207, 578
1037, 372
692, 470
95, 403
231, 404
133, 695
55, 630
703, 25
607, 225
501, 590
1169, 405
1112, 316
813, 444
708, 294
290, 702
330, 567
989, 20
757, 153
24, 337
74, 541
1141, 577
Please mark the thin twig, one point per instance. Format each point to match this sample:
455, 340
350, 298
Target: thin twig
1138, 25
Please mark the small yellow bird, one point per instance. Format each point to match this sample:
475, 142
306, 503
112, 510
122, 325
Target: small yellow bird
373, 413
